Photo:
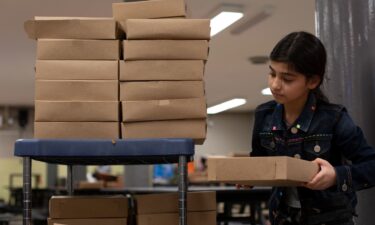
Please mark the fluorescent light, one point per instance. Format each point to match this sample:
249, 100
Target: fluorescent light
223, 20
266, 91
226, 105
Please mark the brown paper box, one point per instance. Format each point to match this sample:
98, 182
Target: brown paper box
77, 130
148, 9
196, 201
160, 90
192, 108
77, 90
122, 24
168, 29
76, 69
76, 111
71, 28
70, 207
193, 218
194, 129
96, 221
261, 171
165, 49
63, 49
144, 70
82, 184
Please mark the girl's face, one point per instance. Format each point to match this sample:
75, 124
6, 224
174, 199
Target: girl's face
288, 86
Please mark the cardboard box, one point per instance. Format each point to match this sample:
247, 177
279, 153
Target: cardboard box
194, 129
192, 108
77, 130
77, 90
160, 90
165, 49
261, 171
82, 184
96, 221
70, 207
148, 9
71, 28
119, 183
152, 70
76, 69
198, 178
122, 24
62, 49
168, 29
196, 201
193, 218
76, 111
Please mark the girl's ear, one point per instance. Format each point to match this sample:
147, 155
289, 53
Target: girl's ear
313, 82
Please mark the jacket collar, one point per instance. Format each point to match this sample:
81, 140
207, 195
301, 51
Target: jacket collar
303, 121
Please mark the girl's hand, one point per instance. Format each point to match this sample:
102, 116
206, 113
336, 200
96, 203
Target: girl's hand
325, 178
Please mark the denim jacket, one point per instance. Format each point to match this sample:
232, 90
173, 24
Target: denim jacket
326, 131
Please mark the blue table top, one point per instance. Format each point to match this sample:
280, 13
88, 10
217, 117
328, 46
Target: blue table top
105, 152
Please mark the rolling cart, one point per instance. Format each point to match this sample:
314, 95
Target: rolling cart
104, 152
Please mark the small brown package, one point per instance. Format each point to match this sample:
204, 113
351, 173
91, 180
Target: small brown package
194, 129
72, 28
196, 201
69, 207
65, 49
76, 90
148, 9
77, 130
165, 49
193, 218
76, 69
261, 171
160, 90
168, 29
76, 111
191, 108
152, 70
88, 221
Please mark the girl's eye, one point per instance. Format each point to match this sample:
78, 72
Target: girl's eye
272, 74
287, 80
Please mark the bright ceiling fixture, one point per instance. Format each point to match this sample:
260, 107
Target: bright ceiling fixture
266, 91
226, 105
226, 15
253, 19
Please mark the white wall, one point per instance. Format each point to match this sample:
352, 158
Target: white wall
11, 164
227, 133
10, 132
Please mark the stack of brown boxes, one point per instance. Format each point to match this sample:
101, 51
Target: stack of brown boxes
161, 77
88, 210
76, 91
201, 209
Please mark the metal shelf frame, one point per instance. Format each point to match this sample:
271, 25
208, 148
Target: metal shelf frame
101, 152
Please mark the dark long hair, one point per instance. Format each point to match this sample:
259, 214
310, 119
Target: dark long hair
305, 54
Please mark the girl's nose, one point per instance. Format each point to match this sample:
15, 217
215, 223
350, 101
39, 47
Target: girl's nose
275, 83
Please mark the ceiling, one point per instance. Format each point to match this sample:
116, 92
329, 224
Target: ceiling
229, 73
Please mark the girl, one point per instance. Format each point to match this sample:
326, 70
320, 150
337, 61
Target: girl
302, 123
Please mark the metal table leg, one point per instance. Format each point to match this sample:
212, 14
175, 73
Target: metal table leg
252, 213
27, 191
69, 182
182, 189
